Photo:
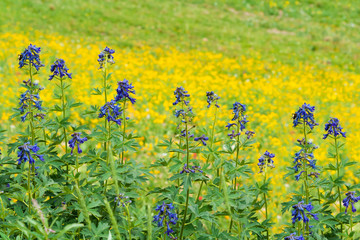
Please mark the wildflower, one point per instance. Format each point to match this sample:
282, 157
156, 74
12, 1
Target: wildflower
30, 56
193, 169
179, 112
112, 112
27, 152
59, 69
233, 135
249, 134
180, 95
333, 128
76, 140
294, 237
123, 91
27, 99
238, 110
106, 56
122, 199
297, 177
305, 114
350, 198
203, 138
266, 160
298, 212
314, 174
300, 157
166, 216
183, 134
212, 97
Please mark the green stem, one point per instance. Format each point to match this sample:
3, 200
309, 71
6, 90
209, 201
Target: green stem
105, 92
124, 129
306, 178
338, 175
29, 188
188, 191
129, 220
212, 134
266, 206
237, 152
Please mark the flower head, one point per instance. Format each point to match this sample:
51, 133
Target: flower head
192, 169
298, 213
350, 198
294, 237
122, 200
203, 138
249, 134
266, 160
27, 152
299, 159
305, 114
238, 110
29, 99
166, 216
333, 128
106, 56
180, 94
76, 140
59, 69
233, 134
112, 111
212, 98
123, 91
31, 57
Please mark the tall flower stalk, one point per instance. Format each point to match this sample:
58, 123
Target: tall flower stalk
334, 130
29, 103
59, 71
304, 159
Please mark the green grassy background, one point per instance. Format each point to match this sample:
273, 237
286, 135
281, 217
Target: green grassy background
321, 32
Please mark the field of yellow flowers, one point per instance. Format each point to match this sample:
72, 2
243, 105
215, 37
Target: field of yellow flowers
272, 92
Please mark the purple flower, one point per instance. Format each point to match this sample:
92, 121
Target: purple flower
106, 56
305, 114
27, 99
300, 158
266, 160
203, 138
212, 98
193, 169
238, 110
122, 200
233, 134
180, 94
333, 128
350, 198
294, 237
123, 91
166, 216
299, 214
78, 141
30, 56
112, 112
249, 134
59, 69
27, 152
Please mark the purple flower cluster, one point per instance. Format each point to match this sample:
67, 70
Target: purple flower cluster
239, 116
111, 111
203, 139
350, 199
106, 56
76, 140
266, 160
123, 91
193, 169
301, 212
301, 157
122, 200
30, 56
305, 114
333, 128
166, 216
294, 237
212, 98
59, 69
181, 94
27, 152
27, 99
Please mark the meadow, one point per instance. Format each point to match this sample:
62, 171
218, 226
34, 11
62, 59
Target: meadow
272, 57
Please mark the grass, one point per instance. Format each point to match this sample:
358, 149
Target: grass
315, 32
